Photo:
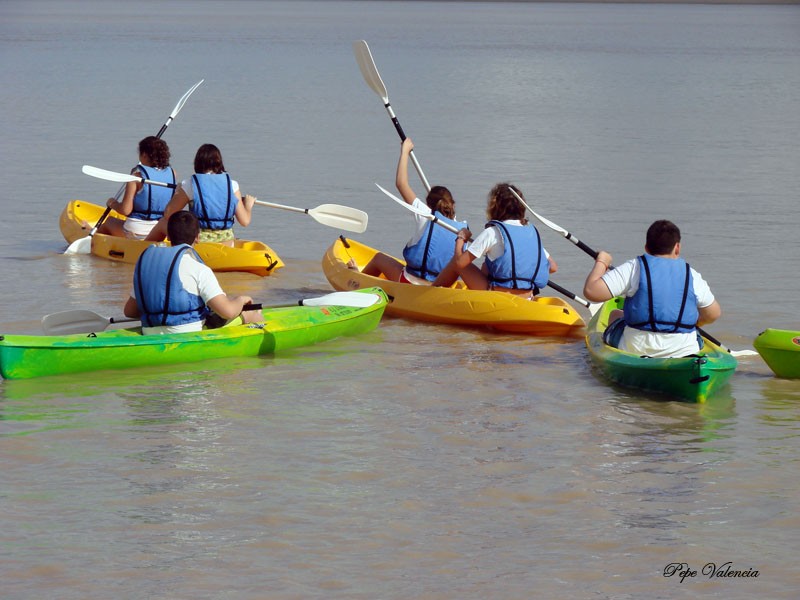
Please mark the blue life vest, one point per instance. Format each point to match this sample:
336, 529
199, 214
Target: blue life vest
434, 249
160, 296
524, 264
665, 301
149, 202
214, 202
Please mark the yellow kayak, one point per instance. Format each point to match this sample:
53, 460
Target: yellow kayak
245, 256
457, 305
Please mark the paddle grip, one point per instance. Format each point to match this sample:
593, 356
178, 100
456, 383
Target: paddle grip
254, 306
400, 131
586, 249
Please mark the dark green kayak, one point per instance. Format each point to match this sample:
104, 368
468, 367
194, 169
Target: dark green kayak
692, 378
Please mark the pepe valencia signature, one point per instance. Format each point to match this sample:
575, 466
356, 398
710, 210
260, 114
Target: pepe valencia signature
710, 570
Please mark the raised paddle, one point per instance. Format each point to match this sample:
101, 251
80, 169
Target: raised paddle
591, 252
452, 229
84, 244
86, 321
370, 73
418, 211
332, 215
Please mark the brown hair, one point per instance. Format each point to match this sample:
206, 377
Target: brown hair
156, 150
440, 198
503, 205
208, 159
662, 237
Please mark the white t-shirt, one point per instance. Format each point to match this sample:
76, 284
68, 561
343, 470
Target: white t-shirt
624, 281
197, 279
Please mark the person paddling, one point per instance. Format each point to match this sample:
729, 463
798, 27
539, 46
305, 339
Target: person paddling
212, 196
515, 258
174, 292
142, 203
666, 299
429, 249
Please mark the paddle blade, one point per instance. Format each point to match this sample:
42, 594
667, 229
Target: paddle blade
74, 321
108, 175
341, 217
80, 246
355, 299
368, 69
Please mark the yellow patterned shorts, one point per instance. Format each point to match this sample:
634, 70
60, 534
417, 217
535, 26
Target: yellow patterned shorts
215, 235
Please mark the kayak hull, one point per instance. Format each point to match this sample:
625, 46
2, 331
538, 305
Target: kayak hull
691, 378
245, 256
780, 349
457, 305
27, 356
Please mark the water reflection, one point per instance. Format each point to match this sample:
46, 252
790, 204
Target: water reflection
657, 458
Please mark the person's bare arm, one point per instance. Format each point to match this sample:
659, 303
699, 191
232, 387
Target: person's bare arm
227, 307
131, 308
709, 314
244, 209
401, 178
595, 289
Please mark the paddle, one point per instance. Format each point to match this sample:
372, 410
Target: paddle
121, 177
332, 215
593, 254
85, 321
84, 244
370, 73
452, 229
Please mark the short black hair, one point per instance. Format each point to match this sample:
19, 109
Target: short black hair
662, 237
182, 228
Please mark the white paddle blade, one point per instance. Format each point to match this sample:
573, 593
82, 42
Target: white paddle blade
355, 299
108, 175
80, 246
368, 69
419, 211
341, 217
74, 321
183, 100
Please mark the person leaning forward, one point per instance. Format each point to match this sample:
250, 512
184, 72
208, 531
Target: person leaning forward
666, 300
174, 291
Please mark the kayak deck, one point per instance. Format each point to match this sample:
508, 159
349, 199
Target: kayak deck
245, 256
456, 305
692, 378
26, 356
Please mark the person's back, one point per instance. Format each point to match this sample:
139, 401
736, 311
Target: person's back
665, 302
172, 289
431, 246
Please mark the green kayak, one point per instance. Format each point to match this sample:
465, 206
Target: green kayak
692, 378
780, 349
25, 356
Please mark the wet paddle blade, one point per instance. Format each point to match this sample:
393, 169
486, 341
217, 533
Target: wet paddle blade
80, 246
